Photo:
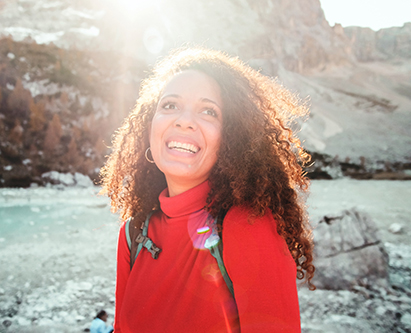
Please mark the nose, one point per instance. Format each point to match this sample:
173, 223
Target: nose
186, 120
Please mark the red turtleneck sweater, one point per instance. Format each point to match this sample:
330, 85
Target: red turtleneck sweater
183, 290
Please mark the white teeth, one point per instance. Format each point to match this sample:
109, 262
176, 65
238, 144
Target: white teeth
183, 147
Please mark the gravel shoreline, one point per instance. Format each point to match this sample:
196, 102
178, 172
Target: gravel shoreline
58, 265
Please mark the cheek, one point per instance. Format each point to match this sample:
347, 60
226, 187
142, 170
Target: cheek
215, 138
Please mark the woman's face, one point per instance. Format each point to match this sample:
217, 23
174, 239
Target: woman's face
186, 130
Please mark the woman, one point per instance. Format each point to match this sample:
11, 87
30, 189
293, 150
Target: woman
207, 148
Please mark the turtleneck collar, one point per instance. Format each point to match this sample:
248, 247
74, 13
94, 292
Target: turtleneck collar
185, 203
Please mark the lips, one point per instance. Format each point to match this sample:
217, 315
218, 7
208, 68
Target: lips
183, 147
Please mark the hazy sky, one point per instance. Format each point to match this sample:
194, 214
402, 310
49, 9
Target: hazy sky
375, 14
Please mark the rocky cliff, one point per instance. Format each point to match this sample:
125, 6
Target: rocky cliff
385, 44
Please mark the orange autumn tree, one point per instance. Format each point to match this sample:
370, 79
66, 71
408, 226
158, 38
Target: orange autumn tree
37, 116
53, 136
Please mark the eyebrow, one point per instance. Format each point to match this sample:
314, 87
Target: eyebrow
204, 99
171, 95
210, 101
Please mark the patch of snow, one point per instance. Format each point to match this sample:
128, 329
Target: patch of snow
101, 107
91, 32
82, 180
61, 178
68, 179
26, 161
91, 15
11, 56
8, 167
42, 87
9, 86
51, 4
41, 37
334, 171
83, 100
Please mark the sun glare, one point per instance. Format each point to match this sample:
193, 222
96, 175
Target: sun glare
138, 21
131, 6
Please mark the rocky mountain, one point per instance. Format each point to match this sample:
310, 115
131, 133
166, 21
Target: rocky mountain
70, 71
382, 45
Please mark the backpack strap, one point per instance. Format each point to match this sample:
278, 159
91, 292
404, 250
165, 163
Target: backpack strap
145, 241
127, 230
215, 245
136, 236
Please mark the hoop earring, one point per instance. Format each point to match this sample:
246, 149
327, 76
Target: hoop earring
146, 155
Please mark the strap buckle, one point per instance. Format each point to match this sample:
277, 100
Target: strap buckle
149, 245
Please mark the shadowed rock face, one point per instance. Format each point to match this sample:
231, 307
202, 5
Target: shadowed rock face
349, 252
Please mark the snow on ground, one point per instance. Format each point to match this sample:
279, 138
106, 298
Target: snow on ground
58, 245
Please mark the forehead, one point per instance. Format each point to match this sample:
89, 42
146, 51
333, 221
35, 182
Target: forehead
193, 83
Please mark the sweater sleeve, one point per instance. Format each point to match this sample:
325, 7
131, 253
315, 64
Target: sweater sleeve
123, 272
263, 272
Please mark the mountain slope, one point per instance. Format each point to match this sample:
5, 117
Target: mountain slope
358, 80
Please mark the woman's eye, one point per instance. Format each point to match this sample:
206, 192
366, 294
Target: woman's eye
210, 112
170, 106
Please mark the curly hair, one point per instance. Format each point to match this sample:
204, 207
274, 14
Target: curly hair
259, 163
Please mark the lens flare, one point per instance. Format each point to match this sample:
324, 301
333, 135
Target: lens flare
203, 230
153, 40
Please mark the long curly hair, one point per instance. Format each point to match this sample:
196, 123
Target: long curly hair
259, 163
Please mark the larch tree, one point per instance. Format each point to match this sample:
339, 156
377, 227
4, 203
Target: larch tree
16, 134
37, 116
53, 135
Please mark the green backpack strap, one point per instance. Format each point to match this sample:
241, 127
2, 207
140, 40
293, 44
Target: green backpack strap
215, 245
137, 239
144, 241
127, 229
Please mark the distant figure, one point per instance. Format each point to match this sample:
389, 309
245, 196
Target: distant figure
99, 323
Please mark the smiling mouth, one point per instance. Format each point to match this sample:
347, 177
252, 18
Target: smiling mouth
183, 147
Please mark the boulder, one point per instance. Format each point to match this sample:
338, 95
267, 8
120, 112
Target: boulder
67, 179
348, 252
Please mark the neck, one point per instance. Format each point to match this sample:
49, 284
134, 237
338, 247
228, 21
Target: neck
176, 188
